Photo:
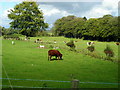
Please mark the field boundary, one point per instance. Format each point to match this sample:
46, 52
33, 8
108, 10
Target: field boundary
23, 86
61, 81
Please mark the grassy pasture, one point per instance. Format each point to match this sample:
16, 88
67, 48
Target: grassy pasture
25, 61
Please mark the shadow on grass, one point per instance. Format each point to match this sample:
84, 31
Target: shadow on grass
54, 59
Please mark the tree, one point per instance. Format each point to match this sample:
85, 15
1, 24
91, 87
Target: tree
27, 18
91, 30
1, 30
59, 29
108, 28
74, 27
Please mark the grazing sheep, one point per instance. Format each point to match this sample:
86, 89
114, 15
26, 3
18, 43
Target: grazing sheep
13, 43
64, 41
37, 39
90, 43
56, 48
25, 39
55, 42
42, 46
41, 41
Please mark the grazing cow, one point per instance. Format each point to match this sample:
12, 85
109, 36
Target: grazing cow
55, 53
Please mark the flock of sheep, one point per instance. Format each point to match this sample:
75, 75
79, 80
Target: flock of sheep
55, 52
42, 46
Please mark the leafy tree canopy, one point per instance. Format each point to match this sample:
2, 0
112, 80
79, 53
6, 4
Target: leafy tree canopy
103, 29
27, 18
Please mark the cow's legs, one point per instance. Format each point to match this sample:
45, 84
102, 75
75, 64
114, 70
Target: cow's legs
58, 58
50, 58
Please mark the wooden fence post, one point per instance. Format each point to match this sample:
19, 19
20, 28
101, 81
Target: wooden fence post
75, 83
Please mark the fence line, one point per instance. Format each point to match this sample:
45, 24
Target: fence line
101, 83
35, 80
61, 81
24, 86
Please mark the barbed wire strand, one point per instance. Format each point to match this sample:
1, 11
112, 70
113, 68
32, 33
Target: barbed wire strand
63, 81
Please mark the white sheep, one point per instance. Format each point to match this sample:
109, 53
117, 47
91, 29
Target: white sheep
13, 43
90, 43
56, 48
42, 46
64, 41
55, 42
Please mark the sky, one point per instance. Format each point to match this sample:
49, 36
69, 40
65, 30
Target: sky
54, 10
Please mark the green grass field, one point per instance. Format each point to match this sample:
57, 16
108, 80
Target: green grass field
25, 61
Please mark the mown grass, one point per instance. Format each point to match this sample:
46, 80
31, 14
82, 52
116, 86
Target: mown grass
25, 61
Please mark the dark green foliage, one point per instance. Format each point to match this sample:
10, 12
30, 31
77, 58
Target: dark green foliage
13, 37
42, 33
8, 31
108, 51
27, 18
102, 29
71, 45
1, 30
91, 48
51, 46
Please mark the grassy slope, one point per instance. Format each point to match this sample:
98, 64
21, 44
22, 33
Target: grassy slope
18, 60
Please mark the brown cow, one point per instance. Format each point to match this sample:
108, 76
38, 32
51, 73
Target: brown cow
55, 53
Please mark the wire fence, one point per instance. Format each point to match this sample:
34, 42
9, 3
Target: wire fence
74, 83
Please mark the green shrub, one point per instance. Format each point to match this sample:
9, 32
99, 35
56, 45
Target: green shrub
108, 51
51, 46
11, 37
91, 48
19, 35
71, 45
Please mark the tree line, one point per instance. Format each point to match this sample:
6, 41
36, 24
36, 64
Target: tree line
103, 29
